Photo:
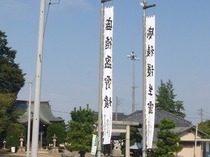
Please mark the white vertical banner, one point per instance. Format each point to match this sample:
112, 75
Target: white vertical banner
94, 144
107, 75
150, 79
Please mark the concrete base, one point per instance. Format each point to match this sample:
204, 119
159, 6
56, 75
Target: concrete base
117, 153
67, 153
21, 150
54, 150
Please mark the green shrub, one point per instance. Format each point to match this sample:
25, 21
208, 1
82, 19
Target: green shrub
59, 130
79, 136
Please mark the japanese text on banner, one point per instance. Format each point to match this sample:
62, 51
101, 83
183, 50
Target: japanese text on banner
150, 79
107, 76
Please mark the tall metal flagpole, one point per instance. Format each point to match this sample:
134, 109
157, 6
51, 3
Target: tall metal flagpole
100, 81
145, 6
133, 57
99, 148
29, 119
35, 135
144, 83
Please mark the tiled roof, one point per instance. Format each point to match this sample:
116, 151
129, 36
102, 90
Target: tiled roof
120, 116
178, 130
159, 115
45, 114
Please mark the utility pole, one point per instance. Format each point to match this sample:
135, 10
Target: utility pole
100, 77
35, 135
196, 134
117, 103
133, 57
201, 114
145, 6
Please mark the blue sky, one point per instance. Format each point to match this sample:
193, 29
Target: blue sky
71, 51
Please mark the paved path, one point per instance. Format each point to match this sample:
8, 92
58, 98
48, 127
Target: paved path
24, 155
44, 153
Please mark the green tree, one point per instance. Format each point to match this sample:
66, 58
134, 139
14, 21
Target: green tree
59, 130
205, 127
8, 112
6, 105
168, 140
11, 76
165, 98
15, 130
81, 129
11, 81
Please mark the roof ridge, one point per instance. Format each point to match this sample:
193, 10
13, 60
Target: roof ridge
174, 115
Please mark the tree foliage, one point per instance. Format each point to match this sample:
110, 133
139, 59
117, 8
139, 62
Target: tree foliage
135, 137
168, 140
11, 76
15, 130
205, 127
7, 111
165, 98
59, 130
81, 129
11, 81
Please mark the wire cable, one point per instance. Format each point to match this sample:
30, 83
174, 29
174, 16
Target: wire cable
61, 112
48, 10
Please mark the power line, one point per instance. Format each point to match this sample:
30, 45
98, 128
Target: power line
61, 111
54, 2
48, 10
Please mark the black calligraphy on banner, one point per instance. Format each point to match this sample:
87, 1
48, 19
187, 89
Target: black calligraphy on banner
150, 90
108, 43
108, 60
107, 74
150, 51
150, 70
107, 101
150, 32
108, 82
150, 107
108, 24
108, 124
150, 79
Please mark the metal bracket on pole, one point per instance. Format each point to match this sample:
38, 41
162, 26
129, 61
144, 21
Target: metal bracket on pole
149, 6
103, 1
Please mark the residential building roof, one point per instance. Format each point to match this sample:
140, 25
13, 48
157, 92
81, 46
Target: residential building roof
160, 114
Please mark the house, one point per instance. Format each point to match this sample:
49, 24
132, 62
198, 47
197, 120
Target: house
192, 144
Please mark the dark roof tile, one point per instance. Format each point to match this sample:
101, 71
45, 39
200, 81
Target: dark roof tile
45, 115
160, 114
